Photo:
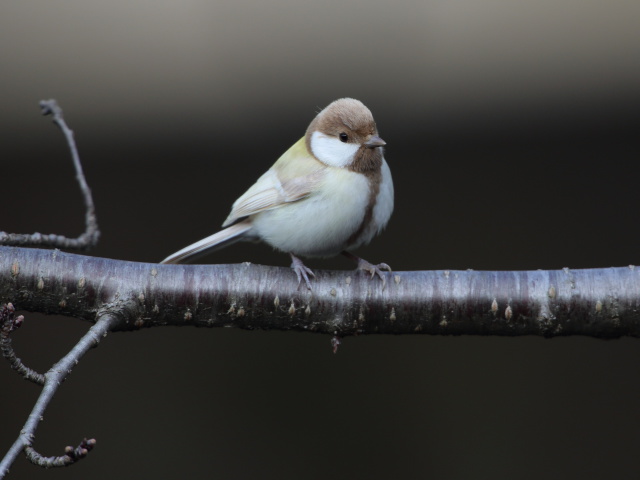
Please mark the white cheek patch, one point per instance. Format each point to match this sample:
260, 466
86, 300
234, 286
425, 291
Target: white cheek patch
331, 151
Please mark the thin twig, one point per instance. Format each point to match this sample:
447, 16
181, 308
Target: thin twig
91, 234
71, 455
10, 323
53, 379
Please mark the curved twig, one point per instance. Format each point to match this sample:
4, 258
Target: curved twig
71, 455
10, 323
91, 234
53, 379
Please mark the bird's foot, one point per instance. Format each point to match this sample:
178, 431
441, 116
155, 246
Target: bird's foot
373, 270
302, 271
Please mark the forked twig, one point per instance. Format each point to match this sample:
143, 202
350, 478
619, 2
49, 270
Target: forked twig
53, 378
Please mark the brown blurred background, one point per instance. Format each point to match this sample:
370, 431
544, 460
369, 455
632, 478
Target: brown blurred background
512, 132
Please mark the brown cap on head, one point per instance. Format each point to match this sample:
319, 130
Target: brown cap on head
349, 117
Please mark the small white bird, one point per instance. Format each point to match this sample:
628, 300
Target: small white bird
329, 193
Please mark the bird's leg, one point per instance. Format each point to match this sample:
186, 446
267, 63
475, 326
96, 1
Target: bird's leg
301, 271
368, 267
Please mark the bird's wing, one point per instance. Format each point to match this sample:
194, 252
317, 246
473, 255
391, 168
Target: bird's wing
293, 177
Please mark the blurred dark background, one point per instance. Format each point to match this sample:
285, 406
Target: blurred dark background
512, 133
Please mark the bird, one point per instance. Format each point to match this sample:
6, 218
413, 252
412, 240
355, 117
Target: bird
329, 193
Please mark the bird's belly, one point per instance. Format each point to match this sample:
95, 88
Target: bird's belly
321, 224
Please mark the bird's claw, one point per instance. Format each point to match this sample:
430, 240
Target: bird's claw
374, 270
302, 271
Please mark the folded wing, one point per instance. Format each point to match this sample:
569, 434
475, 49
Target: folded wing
293, 177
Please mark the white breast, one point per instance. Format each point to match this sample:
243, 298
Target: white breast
321, 224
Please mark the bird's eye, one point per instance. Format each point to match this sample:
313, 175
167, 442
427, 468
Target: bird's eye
344, 137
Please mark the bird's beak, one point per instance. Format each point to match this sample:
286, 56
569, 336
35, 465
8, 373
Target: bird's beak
375, 141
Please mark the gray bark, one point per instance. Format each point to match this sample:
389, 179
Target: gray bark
596, 302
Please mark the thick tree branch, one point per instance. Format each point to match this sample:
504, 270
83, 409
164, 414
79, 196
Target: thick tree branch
594, 302
91, 234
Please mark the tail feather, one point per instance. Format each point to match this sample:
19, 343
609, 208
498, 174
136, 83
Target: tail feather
213, 242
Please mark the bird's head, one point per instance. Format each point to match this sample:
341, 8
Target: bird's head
345, 135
